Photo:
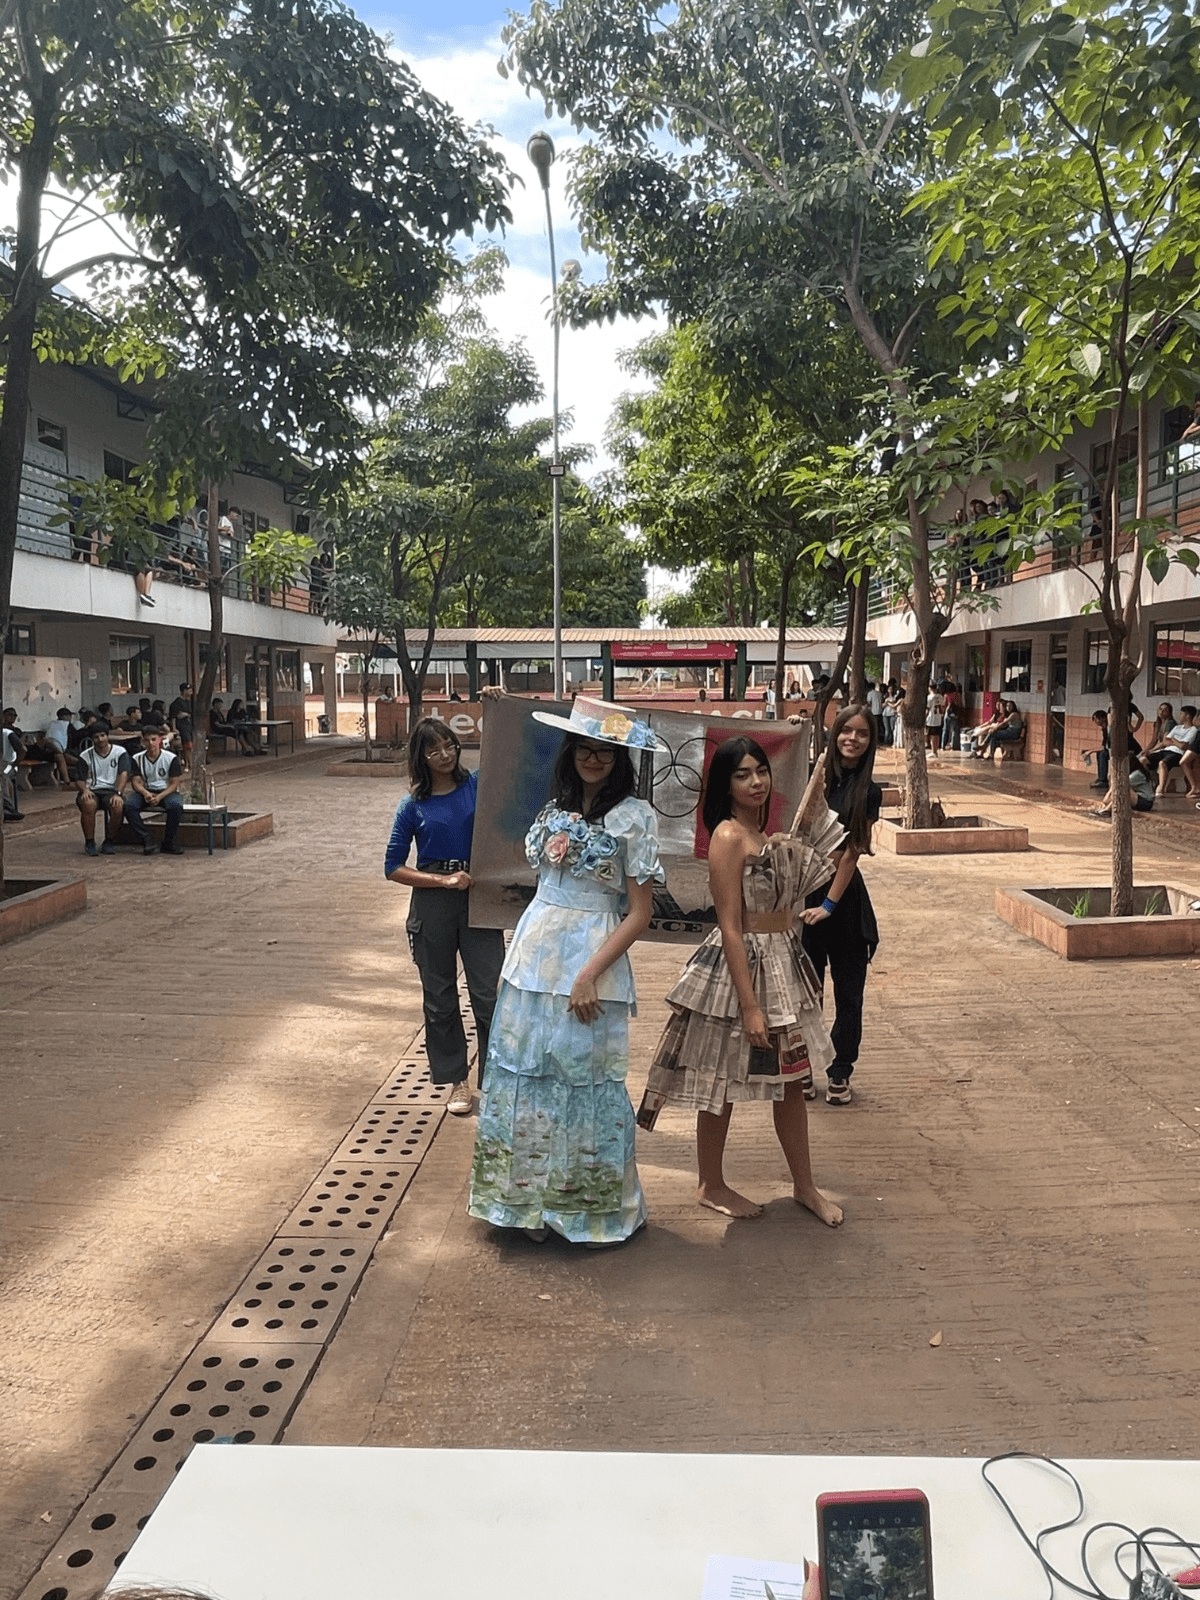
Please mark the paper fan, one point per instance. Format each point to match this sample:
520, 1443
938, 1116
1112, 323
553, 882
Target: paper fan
808, 846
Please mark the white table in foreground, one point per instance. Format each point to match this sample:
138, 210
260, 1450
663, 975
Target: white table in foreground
307, 1523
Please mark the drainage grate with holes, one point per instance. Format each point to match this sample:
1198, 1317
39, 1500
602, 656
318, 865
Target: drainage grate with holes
410, 1085
237, 1393
226, 1392
351, 1199
297, 1292
390, 1133
242, 1382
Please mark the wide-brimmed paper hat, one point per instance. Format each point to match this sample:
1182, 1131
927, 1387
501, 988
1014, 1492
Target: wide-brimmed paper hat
606, 723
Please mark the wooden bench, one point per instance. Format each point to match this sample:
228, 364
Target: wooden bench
1014, 750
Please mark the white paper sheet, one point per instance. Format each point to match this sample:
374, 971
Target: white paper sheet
743, 1578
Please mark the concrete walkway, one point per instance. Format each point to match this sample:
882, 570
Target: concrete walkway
1020, 1172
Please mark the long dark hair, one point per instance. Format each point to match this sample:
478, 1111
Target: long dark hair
429, 731
566, 786
857, 779
717, 805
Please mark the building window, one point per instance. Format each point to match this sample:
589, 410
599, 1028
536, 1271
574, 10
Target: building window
1174, 422
1095, 663
119, 469
1126, 463
975, 683
1175, 652
131, 664
287, 671
51, 434
20, 639
1018, 663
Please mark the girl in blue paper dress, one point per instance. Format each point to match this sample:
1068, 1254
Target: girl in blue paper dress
555, 1144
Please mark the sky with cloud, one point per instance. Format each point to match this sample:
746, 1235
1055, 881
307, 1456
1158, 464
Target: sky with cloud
456, 60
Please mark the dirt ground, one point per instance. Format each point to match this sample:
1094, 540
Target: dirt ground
1020, 1172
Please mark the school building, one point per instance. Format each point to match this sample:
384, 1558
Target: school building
1039, 642
79, 630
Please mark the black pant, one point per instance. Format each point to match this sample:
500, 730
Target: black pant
172, 805
837, 943
438, 934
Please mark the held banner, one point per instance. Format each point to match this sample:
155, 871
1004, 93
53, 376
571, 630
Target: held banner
515, 767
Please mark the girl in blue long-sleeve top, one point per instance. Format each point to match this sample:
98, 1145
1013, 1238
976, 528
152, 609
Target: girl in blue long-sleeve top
439, 814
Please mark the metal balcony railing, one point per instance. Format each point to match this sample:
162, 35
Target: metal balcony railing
1174, 495
181, 556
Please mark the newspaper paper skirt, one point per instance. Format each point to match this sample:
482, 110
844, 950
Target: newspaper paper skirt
703, 1061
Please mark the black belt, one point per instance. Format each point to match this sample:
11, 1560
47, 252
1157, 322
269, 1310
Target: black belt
442, 866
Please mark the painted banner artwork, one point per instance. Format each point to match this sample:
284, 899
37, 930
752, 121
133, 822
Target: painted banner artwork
515, 766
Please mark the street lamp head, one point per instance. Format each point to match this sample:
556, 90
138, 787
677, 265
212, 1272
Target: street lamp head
540, 150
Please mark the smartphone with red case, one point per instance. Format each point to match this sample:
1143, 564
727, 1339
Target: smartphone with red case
874, 1545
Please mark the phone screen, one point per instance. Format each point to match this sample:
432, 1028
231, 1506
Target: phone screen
874, 1549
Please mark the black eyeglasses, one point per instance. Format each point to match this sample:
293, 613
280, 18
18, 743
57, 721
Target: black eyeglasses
605, 754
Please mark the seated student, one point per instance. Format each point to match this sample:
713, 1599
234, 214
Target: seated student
51, 747
81, 731
17, 738
105, 770
242, 718
131, 722
8, 777
1161, 759
156, 777
1139, 782
1007, 728
106, 714
1189, 765
223, 726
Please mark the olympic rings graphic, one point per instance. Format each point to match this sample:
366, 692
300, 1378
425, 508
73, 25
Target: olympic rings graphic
678, 765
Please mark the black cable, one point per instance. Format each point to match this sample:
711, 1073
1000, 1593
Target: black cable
1144, 1543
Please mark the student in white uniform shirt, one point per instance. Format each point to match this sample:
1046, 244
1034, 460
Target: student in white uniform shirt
157, 774
105, 777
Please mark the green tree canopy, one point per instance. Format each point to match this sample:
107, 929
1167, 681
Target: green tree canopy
1069, 206
284, 195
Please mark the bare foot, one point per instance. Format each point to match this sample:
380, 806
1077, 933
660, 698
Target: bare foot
727, 1201
820, 1205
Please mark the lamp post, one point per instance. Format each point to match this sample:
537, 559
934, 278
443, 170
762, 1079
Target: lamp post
540, 150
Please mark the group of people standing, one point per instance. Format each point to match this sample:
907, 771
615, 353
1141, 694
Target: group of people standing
555, 1147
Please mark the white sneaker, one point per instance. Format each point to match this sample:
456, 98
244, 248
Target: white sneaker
462, 1102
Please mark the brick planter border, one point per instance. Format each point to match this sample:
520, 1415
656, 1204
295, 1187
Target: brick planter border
396, 770
1103, 938
969, 835
38, 903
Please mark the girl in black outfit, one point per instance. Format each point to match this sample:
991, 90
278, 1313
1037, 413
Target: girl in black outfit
839, 922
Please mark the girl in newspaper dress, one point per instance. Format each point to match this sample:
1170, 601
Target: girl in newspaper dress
555, 1146
746, 1020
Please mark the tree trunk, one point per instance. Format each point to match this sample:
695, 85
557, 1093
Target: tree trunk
858, 640
1119, 738
22, 324
1122, 669
216, 639
785, 585
365, 689
413, 678
837, 676
912, 714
